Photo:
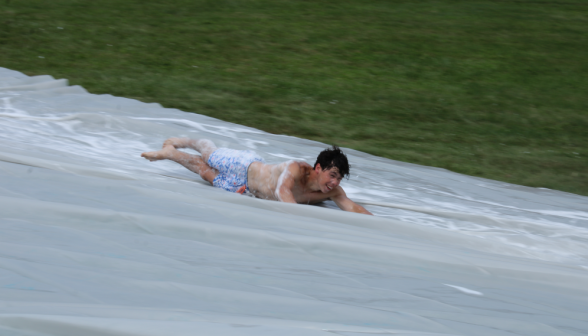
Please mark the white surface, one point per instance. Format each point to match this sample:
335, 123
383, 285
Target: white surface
98, 241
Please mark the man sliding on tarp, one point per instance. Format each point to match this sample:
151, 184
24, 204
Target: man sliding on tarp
244, 170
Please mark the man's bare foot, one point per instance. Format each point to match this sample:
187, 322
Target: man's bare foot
161, 154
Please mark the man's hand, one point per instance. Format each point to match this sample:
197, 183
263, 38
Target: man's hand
346, 204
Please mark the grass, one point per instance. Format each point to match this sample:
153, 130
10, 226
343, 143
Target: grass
496, 89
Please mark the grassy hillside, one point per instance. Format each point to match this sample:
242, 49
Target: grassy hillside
497, 89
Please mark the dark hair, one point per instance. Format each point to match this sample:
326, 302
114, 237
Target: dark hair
333, 157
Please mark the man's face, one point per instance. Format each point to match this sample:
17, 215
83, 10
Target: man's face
328, 179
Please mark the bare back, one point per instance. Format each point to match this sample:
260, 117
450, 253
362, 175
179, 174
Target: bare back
263, 179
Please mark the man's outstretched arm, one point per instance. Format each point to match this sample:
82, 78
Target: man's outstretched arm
344, 203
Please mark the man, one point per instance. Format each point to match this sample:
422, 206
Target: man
240, 171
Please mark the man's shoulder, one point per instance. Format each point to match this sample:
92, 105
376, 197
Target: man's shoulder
298, 166
298, 171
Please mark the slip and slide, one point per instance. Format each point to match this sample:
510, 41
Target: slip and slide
97, 241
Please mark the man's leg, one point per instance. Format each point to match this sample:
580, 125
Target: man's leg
192, 162
204, 146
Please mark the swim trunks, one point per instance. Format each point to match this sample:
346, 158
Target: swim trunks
232, 166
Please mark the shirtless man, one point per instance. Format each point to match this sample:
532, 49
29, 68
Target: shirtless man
240, 171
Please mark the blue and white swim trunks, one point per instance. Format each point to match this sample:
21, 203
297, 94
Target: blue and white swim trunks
232, 166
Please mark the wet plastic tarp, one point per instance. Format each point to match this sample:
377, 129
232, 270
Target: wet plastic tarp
95, 240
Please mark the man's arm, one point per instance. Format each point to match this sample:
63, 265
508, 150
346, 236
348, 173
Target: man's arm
286, 182
346, 204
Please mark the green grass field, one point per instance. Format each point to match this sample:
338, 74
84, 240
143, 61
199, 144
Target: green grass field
491, 88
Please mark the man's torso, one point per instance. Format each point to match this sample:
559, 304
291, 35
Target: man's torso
264, 181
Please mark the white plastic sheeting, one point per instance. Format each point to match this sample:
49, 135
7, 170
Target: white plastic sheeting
95, 240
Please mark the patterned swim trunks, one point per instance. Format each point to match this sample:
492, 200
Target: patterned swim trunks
232, 166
